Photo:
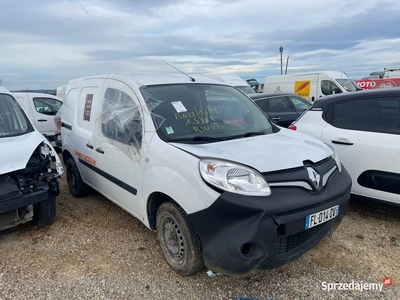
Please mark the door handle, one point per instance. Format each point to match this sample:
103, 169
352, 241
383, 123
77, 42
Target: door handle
42, 120
342, 142
100, 150
276, 118
89, 145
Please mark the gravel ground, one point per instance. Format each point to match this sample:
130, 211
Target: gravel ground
95, 250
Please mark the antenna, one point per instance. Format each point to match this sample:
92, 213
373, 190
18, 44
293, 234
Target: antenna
191, 78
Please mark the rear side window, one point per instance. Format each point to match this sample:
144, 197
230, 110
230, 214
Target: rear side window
279, 104
374, 115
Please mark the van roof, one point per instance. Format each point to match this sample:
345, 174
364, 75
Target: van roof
4, 90
149, 78
230, 79
38, 95
333, 74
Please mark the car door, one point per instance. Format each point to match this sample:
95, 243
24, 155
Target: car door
117, 145
365, 132
278, 109
44, 109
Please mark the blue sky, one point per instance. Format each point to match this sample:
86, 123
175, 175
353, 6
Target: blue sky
47, 42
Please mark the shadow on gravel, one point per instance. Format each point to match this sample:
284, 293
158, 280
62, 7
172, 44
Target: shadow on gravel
374, 208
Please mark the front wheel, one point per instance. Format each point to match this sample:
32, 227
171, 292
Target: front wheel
44, 212
178, 240
76, 186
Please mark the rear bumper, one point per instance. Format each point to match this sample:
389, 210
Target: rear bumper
240, 234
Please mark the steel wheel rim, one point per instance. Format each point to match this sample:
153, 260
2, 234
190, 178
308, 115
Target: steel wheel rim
71, 177
173, 240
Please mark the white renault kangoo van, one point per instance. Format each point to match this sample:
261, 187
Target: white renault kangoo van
198, 162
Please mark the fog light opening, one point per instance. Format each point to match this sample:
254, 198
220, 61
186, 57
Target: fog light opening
246, 248
253, 250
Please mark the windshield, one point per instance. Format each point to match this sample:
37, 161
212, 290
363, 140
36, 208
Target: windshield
13, 121
246, 89
203, 113
347, 84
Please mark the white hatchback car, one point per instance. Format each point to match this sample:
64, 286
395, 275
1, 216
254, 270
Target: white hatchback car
364, 129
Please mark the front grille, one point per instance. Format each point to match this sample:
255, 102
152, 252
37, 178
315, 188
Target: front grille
299, 175
290, 242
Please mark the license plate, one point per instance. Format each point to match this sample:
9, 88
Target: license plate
321, 217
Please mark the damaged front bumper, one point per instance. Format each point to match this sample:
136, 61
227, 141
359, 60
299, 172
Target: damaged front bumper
243, 234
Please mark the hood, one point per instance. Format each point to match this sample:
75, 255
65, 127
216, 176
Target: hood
282, 150
16, 151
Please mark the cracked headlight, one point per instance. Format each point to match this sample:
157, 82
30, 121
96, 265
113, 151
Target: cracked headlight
234, 178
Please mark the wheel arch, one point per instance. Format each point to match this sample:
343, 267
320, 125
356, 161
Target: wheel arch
66, 155
155, 200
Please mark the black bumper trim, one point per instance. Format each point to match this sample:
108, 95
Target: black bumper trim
24, 200
240, 234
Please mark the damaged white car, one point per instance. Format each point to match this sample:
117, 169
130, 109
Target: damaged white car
29, 169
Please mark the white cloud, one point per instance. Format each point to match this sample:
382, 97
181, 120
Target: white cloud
50, 42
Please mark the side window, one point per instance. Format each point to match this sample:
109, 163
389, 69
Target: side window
47, 106
279, 104
120, 118
328, 88
374, 115
328, 116
299, 103
263, 104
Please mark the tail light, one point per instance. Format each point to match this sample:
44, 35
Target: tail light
292, 127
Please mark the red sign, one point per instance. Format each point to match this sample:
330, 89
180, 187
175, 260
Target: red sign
387, 281
369, 84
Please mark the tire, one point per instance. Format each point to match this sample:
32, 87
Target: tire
76, 186
172, 225
44, 212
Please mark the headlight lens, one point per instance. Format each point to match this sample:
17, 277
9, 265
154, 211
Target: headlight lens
335, 156
234, 178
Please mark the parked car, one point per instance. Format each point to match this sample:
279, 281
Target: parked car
364, 129
29, 169
233, 196
283, 108
255, 85
40, 109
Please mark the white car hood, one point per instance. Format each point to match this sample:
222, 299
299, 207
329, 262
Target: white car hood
282, 150
16, 151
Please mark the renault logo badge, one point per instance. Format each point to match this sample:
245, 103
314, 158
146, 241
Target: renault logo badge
314, 176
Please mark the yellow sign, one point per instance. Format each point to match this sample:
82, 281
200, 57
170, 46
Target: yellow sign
302, 88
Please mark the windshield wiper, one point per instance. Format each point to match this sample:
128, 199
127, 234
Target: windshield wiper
198, 139
247, 134
253, 133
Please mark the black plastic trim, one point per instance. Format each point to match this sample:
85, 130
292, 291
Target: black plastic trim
113, 179
67, 126
342, 143
381, 181
24, 200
